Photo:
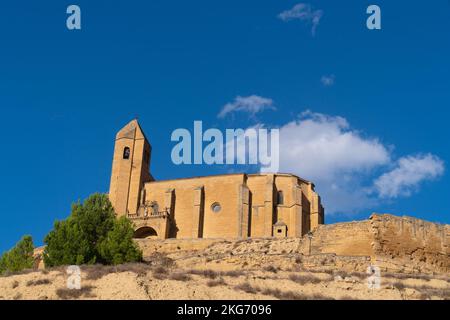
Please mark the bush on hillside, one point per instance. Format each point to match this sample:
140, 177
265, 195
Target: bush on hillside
91, 234
18, 258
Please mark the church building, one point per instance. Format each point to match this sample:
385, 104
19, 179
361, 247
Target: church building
220, 206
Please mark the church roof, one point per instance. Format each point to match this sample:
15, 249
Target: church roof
132, 130
233, 174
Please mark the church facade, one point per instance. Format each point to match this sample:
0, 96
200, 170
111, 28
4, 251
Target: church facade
221, 206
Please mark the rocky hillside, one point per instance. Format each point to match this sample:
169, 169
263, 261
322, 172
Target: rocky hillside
394, 244
412, 255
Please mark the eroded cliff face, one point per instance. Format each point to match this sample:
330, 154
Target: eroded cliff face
410, 244
393, 243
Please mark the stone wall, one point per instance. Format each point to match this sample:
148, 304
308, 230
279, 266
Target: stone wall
151, 246
346, 239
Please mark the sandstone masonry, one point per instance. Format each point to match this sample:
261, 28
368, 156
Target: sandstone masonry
222, 206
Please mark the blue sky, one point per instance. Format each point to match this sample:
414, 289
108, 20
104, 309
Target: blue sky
378, 100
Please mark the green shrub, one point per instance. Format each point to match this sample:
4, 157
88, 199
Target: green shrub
91, 234
118, 247
18, 258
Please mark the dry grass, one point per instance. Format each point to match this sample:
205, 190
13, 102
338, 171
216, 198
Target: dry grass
402, 276
282, 295
318, 296
69, 294
426, 294
304, 279
272, 292
211, 274
160, 273
38, 282
359, 275
392, 275
247, 287
140, 269
290, 295
178, 276
271, 269
159, 276
425, 291
234, 273
398, 285
60, 269
160, 259
97, 271
215, 283
15, 273
160, 270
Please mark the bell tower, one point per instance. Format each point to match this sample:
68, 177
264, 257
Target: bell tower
130, 168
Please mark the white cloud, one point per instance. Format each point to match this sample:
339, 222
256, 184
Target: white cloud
325, 147
328, 80
345, 165
252, 104
352, 172
303, 12
325, 150
408, 174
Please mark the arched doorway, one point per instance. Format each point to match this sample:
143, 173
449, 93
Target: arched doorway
145, 233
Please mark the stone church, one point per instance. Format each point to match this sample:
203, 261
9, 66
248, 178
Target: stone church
221, 206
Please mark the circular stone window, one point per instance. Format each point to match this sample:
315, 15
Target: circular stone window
215, 207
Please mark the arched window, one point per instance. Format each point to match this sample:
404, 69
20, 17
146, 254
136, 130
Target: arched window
280, 197
126, 153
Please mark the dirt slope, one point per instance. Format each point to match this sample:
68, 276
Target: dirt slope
412, 256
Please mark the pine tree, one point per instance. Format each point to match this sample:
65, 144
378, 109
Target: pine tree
119, 247
91, 234
18, 258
